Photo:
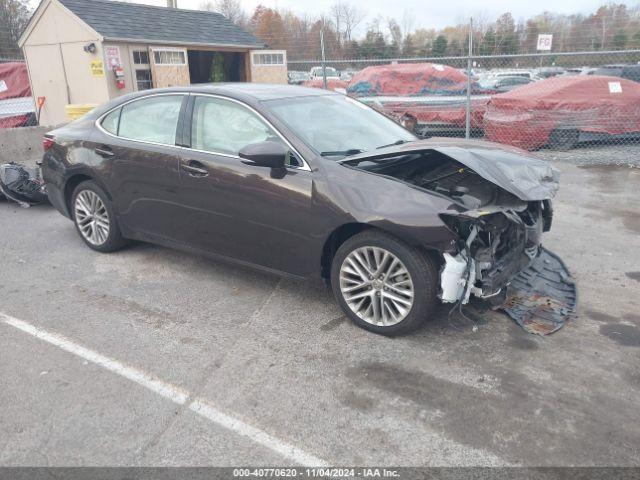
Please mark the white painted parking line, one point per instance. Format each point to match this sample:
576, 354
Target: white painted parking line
176, 394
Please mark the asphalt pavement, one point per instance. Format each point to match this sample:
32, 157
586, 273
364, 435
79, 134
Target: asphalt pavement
155, 357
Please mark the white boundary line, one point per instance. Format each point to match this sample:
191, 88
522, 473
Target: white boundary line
175, 394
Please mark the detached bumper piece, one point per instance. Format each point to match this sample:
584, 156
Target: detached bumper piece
22, 185
542, 296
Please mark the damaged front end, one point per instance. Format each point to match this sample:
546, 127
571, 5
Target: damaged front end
494, 246
501, 260
501, 205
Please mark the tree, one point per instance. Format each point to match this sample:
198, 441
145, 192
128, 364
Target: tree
394, 31
506, 38
439, 47
531, 36
14, 16
373, 45
346, 18
619, 40
351, 49
229, 8
454, 49
408, 47
423, 40
268, 26
488, 45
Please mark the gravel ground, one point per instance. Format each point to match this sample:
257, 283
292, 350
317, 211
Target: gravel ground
597, 154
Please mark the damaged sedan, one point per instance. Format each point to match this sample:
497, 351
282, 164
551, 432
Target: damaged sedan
309, 183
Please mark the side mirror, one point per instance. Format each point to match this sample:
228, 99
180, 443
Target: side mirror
265, 154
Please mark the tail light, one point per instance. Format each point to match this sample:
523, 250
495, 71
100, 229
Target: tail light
47, 143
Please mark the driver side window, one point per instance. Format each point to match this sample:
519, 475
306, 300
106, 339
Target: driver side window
222, 126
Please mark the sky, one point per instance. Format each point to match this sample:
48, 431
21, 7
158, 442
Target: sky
425, 14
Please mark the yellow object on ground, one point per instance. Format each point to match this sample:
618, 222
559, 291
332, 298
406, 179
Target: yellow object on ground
78, 110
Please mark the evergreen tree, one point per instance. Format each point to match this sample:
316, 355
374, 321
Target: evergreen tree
439, 47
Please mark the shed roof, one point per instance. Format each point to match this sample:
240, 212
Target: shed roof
136, 22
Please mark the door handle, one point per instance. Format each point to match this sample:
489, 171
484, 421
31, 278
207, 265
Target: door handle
195, 171
104, 151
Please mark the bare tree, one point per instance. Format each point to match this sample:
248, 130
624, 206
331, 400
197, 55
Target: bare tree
395, 31
408, 22
346, 18
232, 9
14, 16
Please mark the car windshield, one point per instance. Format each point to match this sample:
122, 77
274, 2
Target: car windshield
336, 126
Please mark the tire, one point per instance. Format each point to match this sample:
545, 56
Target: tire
560, 139
420, 270
89, 218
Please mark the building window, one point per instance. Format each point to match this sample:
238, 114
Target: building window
169, 57
143, 79
141, 58
273, 59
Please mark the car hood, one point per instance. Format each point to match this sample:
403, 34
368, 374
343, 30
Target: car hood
516, 171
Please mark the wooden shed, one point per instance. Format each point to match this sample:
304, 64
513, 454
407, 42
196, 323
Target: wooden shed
89, 51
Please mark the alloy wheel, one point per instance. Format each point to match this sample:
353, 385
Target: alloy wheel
92, 217
376, 286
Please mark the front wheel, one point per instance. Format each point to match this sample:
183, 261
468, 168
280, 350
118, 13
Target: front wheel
383, 284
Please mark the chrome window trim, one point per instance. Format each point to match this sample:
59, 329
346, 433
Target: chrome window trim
98, 123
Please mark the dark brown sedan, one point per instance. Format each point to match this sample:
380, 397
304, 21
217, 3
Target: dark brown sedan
307, 183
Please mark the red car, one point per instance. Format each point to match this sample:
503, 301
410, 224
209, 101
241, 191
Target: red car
334, 84
16, 104
560, 112
433, 95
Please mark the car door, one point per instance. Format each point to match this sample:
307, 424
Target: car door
252, 213
139, 138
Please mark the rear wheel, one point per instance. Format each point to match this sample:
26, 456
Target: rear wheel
383, 284
94, 218
563, 139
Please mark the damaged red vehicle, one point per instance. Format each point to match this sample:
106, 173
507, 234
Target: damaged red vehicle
334, 84
16, 103
433, 94
310, 183
562, 111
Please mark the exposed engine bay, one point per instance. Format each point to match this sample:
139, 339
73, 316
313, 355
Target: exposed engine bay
443, 175
498, 239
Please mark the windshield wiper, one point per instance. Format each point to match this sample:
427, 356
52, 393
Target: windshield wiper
343, 153
397, 142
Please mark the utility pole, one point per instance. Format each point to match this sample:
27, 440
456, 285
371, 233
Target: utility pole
324, 65
467, 130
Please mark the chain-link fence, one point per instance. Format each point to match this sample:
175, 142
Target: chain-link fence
541, 100
17, 107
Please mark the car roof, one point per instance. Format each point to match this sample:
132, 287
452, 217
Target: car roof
257, 91
250, 93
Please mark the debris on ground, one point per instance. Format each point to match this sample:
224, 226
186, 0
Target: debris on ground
22, 185
542, 296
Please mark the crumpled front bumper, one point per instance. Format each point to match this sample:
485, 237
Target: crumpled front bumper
542, 296
538, 292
